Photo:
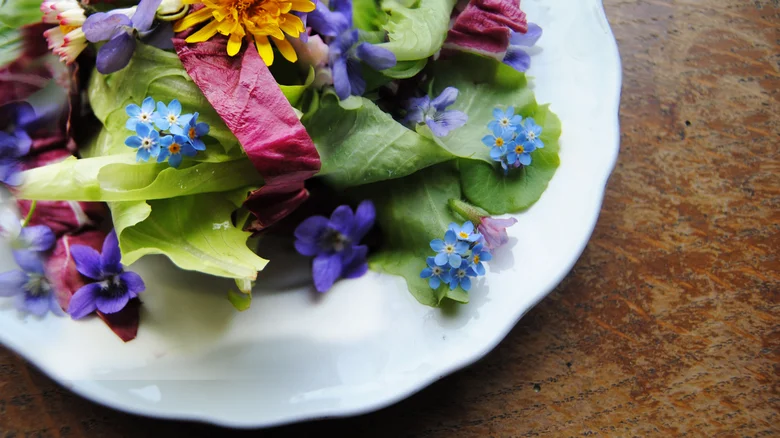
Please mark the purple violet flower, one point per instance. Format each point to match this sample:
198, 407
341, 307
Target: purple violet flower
517, 55
34, 294
112, 286
334, 243
345, 52
15, 143
434, 113
120, 32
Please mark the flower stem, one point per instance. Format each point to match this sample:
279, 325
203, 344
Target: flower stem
30, 214
468, 211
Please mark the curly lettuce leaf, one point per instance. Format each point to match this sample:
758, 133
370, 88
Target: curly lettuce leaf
486, 185
416, 32
362, 144
412, 211
196, 232
120, 178
366, 15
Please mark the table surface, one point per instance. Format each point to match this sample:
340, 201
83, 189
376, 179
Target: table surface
667, 325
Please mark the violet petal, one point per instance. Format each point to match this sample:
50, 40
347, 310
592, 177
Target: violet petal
116, 53
438, 129
311, 229
38, 237
356, 82
307, 249
29, 261
364, 220
527, 39
134, 282
356, 266
326, 22
111, 256
326, 269
37, 305
144, 14
376, 57
102, 26
342, 220
12, 283
111, 304
447, 97
82, 303
451, 119
87, 261
517, 58
341, 79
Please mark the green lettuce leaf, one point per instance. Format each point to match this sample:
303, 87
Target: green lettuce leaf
120, 178
486, 186
293, 93
18, 13
109, 171
483, 85
11, 45
412, 211
239, 300
362, 144
405, 69
366, 15
416, 32
196, 232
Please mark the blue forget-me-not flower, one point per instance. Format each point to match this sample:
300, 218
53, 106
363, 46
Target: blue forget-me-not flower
435, 274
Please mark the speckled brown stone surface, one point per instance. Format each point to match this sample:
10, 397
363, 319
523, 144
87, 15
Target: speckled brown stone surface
668, 324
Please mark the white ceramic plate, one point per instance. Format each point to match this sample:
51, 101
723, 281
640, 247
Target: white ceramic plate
297, 355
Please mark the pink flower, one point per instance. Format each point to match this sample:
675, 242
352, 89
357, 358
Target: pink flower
63, 12
314, 52
494, 231
67, 46
66, 40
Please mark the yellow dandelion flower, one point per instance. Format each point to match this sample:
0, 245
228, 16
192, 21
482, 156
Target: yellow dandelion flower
263, 21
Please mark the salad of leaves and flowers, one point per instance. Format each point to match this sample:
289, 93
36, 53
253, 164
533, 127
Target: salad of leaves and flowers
370, 134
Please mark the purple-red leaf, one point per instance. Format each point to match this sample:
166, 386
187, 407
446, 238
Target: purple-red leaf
250, 102
484, 27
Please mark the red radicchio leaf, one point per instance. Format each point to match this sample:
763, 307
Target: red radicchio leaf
250, 102
26, 74
64, 216
66, 280
484, 27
